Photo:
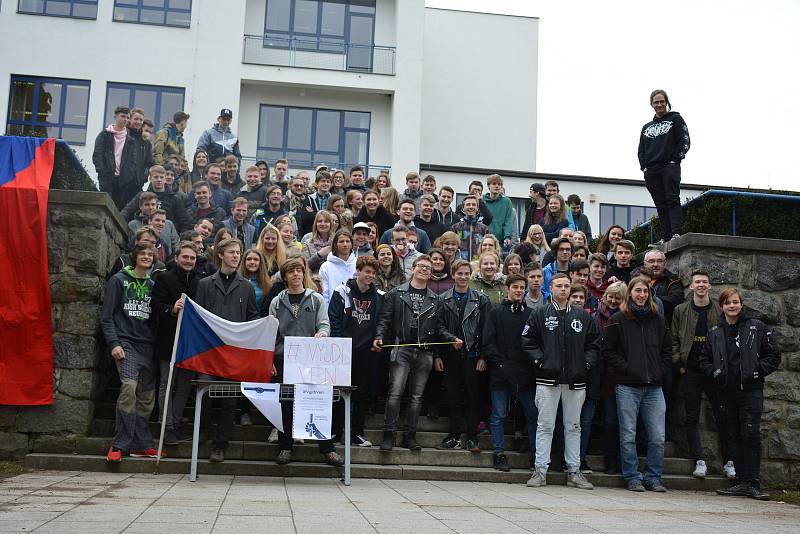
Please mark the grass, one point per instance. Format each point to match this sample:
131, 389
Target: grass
787, 493
10, 469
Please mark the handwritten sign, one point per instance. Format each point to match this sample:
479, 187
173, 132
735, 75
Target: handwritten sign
323, 360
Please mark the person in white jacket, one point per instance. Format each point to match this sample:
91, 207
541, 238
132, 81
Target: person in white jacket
339, 266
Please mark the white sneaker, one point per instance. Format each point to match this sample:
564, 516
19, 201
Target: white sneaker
245, 420
730, 471
700, 469
361, 441
577, 480
538, 480
273, 436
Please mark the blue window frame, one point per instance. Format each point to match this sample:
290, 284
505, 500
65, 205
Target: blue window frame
158, 102
308, 137
77, 9
160, 12
624, 215
48, 107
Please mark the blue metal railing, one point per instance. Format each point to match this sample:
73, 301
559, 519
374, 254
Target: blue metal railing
371, 169
705, 195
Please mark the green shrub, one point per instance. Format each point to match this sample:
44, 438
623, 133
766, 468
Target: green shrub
68, 173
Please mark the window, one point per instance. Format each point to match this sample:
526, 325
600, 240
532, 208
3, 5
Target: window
309, 137
623, 215
161, 12
79, 9
159, 103
48, 107
324, 26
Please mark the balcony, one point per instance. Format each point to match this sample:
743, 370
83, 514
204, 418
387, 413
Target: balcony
315, 53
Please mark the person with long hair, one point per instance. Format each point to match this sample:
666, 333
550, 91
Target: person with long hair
254, 268
639, 351
374, 212
355, 201
615, 234
441, 279
290, 243
539, 244
372, 239
512, 264
221, 235
449, 243
555, 218
383, 180
339, 186
318, 242
199, 163
390, 274
390, 199
271, 247
339, 266
738, 354
579, 238
488, 279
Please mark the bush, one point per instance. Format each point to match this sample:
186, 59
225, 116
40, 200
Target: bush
68, 173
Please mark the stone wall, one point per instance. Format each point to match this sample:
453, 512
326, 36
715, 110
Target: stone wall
84, 237
768, 272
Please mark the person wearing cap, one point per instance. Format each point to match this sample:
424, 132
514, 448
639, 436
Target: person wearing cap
169, 139
361, 245
220, 140
536, 210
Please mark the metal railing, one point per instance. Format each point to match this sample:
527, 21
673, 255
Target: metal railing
318, 53
370, 169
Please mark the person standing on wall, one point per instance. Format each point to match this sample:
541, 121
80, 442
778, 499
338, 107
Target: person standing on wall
663, 144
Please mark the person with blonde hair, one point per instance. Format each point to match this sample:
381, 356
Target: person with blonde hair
539, 245
271, 246
318, 242
390, 199
291, 244
488, 280
448, 242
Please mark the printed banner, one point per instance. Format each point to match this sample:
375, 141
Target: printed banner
313, 406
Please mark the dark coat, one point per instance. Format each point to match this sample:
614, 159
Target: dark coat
475, 311
167, 290
237, 304
167, 201
638, 350
670, 290
137, 158
502, 346
382, 219
394, 324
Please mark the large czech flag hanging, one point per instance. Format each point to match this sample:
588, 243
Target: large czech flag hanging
26, 349
215, 346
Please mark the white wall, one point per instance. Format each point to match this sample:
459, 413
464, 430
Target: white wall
479, 90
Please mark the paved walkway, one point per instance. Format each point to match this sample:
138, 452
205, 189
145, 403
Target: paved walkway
86, 503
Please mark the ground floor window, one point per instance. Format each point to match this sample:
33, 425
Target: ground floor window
624, 215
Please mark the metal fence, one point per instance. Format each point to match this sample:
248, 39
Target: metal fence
318, 53
370, 169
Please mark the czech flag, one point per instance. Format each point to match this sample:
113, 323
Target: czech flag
215, 346
26, 350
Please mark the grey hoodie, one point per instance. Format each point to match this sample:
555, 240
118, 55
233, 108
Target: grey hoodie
313, 317
126, 309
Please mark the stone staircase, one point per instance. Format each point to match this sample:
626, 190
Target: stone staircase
249, 453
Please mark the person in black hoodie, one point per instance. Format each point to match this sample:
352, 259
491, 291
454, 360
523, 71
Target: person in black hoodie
510, 371
638, 349
167, 200
624, 265
738, 354
374, 212
353, 312
663, 144
167, 303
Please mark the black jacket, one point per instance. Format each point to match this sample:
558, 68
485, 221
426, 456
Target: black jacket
137, 158
484, 213
167, 201
758, 355
349, 306
382, 219
168, 288
237, 304
475, 312
433, 228
670, 290
664, 140
502, 346
394, 325
638, 349
563, 344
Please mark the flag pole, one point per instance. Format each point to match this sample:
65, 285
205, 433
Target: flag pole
167, 395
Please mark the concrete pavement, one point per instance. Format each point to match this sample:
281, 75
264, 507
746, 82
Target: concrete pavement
66, 502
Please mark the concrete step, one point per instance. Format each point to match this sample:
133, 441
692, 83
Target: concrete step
84, 462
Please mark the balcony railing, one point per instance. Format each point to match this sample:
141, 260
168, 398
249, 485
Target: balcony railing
318, 53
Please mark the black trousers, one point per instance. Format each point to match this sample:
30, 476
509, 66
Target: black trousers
366, 364
694, 384
285, 440
742, 410
219, 411
663, 181
462, 382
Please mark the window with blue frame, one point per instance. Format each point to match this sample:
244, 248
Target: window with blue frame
48, 107
161, 12
158, 102
624, 215
308, 137
335, 26
78, 9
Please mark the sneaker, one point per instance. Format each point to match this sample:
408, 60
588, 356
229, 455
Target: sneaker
483, 428
675, 236
284, 457
564, 467
449, 443
654, 485
586, 469
360, 441
216, 456
700, 469
577, 480
410, 441
114, 455
147, 453
332, 458
245, 420
472, 446
754, 492
273, 436
501, 462
635, 485
538, 480
738, 490
730, 471
172, 438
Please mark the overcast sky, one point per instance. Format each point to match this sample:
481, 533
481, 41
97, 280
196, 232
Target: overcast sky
730, 68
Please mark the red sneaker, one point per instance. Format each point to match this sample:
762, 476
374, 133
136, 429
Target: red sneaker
148, 453
114, 456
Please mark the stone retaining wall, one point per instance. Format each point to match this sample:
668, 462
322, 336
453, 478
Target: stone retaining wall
768, 272
84, 237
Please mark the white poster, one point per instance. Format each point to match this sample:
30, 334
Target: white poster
313, 407
265, 397
317, 360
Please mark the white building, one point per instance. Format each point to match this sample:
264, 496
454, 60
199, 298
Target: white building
382, 83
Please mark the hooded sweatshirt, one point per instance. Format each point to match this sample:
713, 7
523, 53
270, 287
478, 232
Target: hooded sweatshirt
119, 144
126, 309
335, 272
663, 140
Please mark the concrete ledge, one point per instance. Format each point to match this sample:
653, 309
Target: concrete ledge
89, 198
755, 244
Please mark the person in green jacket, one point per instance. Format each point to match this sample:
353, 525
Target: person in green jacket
502, 225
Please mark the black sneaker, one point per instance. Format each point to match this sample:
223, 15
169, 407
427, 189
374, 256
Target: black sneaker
449, 443
754, 492
654, 485
472, 446
564, 467
739, 490
586, 469
360, 441
171, 438
501, 463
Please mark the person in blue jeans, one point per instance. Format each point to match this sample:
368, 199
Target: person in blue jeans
638, 348
510, 371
